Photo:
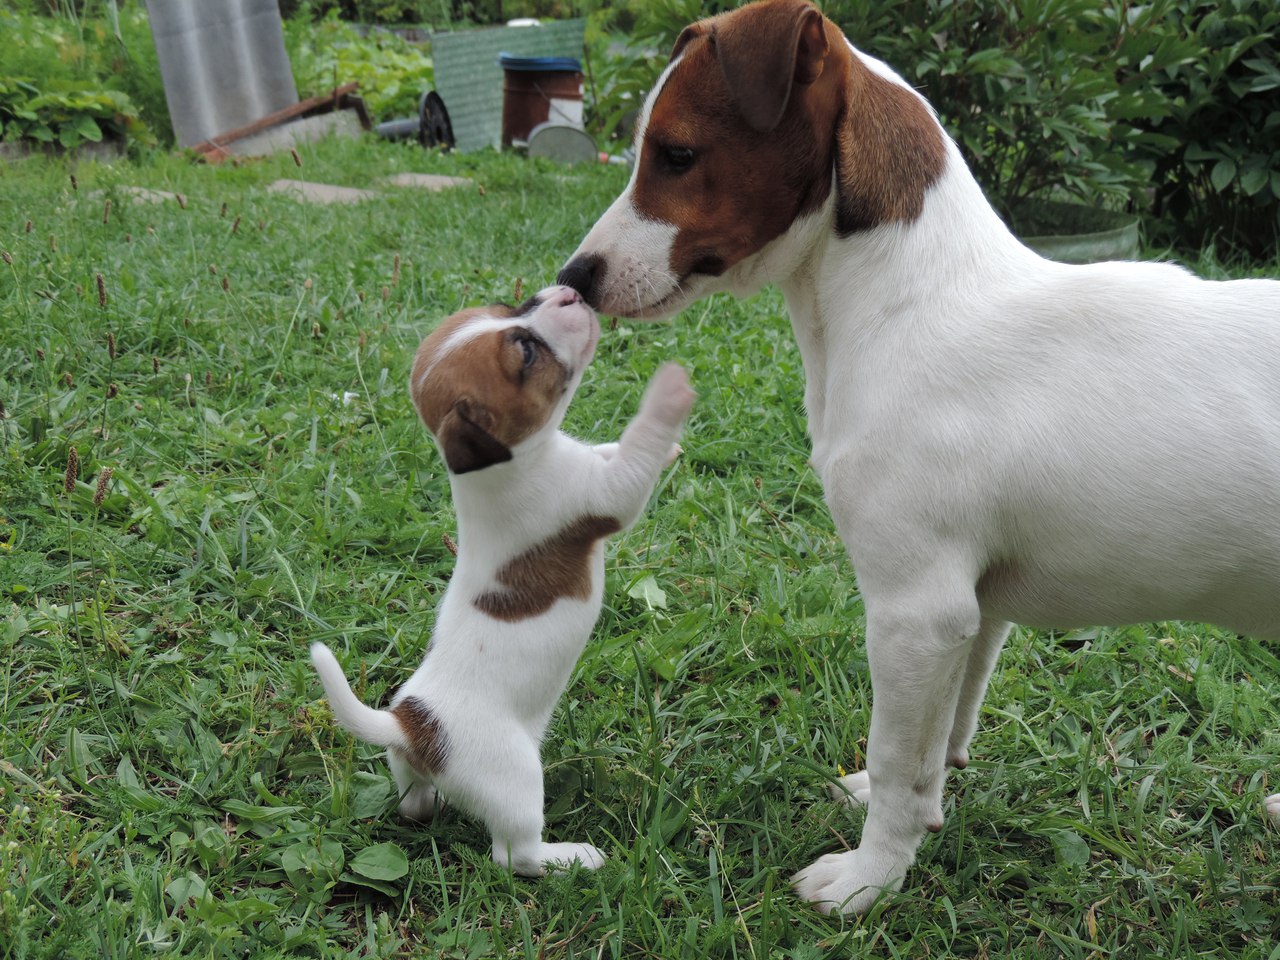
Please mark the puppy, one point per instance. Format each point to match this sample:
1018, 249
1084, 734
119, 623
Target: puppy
533, 507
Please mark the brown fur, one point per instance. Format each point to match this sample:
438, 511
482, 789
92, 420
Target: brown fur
428, 747
778, 62
557, 567
482, 401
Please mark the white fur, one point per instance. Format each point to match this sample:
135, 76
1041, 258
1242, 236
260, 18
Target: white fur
1006, 439
491, 684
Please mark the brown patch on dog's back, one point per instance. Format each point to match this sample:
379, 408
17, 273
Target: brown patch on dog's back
428, 746
558, 567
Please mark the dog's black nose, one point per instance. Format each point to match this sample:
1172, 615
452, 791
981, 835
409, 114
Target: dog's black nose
583, 274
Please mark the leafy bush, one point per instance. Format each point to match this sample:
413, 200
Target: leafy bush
106, 70
68, 119
1216, 154
1042, 95
391, 71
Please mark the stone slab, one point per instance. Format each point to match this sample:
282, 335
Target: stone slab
426, 181
320, 192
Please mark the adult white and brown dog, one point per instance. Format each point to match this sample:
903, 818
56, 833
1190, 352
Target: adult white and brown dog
533, 506
1001, 438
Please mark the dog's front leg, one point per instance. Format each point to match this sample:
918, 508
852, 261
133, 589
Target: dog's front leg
918, 650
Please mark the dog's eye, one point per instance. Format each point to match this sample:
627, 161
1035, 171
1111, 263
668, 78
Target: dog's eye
530, 352
677, 159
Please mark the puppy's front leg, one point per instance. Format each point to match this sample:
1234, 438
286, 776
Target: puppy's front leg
648, 445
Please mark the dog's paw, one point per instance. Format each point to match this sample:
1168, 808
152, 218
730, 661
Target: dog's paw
552, 857
1271, 807
847, 882
674, 455
669, 398
853, 790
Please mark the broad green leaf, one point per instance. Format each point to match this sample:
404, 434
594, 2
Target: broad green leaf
1069, 847
648, 592
382, 861
1224, 171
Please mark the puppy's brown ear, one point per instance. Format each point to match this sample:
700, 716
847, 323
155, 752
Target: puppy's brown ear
765, 56
466, 444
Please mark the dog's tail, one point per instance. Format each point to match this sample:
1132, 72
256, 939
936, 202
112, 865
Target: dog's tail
370, 725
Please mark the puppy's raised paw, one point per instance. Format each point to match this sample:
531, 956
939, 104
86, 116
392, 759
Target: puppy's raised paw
669, 397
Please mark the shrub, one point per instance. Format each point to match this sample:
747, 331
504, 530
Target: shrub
86, 68
1215, 155
391, 71
1041, 95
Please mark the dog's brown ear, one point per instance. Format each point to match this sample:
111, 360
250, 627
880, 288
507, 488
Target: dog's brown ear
687, 34
765, 56
466, 444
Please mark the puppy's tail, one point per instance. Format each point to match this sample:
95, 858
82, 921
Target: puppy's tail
370, 725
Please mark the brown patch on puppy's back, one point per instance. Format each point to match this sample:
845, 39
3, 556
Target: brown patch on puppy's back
428, 745
558, 567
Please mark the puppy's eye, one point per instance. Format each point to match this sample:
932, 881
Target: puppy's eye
529, 351
677, 159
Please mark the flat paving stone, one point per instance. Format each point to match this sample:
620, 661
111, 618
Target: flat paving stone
320, 192
426, 181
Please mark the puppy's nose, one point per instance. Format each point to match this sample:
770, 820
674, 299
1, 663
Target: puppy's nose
583, 273
566, 297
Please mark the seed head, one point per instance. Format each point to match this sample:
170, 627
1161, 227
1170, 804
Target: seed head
450, 544
53, 243
386, 292
182, 201
155, 364
222, 212
296, 159
73, 470
208, 379
68, 380
106, 211
102, 291
306, 284
113, 391
39, 354
100, 492
75, 184
519, 294
235, 226
395, 271
226, 284
30, 226
213, 269
111, 345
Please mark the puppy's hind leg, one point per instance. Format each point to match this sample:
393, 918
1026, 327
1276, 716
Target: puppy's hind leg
417, 794
503, 787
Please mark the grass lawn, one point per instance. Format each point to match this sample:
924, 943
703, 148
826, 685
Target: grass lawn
172, 783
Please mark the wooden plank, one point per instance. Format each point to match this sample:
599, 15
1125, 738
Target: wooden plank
213, 150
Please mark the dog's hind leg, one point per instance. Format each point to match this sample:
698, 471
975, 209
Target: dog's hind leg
919, 645
1271, 806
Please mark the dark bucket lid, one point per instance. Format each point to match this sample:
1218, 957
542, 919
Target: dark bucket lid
510, 61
